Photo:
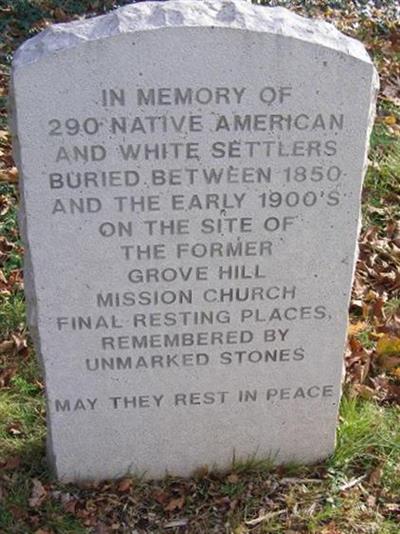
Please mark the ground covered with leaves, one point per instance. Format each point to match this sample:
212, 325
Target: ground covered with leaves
355, 491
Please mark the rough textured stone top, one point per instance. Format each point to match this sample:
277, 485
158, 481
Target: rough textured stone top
235, 14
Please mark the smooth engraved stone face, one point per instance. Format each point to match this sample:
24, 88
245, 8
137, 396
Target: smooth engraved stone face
191, 176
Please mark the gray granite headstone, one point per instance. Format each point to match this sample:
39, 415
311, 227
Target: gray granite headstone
191, 177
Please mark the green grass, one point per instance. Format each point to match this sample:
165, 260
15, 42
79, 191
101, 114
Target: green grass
15, 505
9, 230
22, 421
252, 465
381, 192
392, 306
12, 313
364, 337
368, 437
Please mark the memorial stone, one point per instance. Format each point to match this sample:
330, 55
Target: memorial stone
191, 178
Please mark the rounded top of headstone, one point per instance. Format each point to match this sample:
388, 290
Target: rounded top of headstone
142, 16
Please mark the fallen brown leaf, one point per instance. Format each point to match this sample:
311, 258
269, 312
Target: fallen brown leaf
6, 345
10, 175
233, 478
175, 504
124, 485
38, 495
375, 476
11, 463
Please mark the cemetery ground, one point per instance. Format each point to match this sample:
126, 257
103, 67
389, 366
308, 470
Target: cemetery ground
355, 491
